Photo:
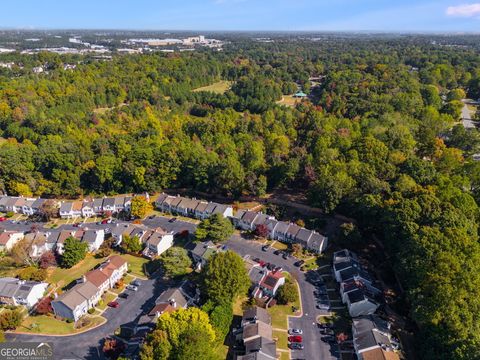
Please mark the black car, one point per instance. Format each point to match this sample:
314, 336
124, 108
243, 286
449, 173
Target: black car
285, 255
265, 247
123, 295
277, 252
328, 338
299, 263
172, 220
296, 346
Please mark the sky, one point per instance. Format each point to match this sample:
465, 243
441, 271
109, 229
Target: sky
291, 15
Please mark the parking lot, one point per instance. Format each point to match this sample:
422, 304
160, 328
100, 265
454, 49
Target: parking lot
314, 347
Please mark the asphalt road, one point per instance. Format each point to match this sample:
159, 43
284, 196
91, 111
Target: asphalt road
315, 348
88, 345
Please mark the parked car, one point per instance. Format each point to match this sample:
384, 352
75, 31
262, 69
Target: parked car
277, 269
113, 304
295, 331
104, 221
265, 247
299, 263
295, 338
323, 307
329, 338
132, 287
277, 252
285, 255
76, 225
271, 267
295, 346
3, 218
326, 331
151, 217
172, 220
136, 282
123, 295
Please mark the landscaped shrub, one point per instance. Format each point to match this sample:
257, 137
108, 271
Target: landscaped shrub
9, 214
91, 311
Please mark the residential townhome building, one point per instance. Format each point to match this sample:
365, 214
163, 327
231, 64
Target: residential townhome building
271, 225
159, 201
64, 235
225, 210
74, 303
210, 209
52, 238
174, 204
317, 243
98, 206
119, 204
27, 207
269, 284
292, 232
353, 284
372, 339
261, 219
108, 205
280, 232
98, 278
10, 204
3, 203
87, 209
157, 243
114, 267
360, 302
343, 266
200, 212
20, 292
303, 237
9, 238
256, 336
77, 208
186, 207
127, 203
66, 210
38, 243
202, 252
94, 239
37, 205
18, 205
247, 220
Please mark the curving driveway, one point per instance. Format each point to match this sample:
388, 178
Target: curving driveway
315, 348
87, 345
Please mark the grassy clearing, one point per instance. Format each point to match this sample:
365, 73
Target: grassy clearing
219, 87
280, 313
288, 100
249, 205
135, 264
310, 264
49, 325
106, 298
284, 356
279, 246
63, 277
281, 338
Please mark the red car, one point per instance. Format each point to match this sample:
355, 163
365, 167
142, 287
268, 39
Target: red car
105, 221
113, 304
295, 338
3, 218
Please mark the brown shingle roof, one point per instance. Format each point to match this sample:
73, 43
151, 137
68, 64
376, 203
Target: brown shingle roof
96, 277
379, 354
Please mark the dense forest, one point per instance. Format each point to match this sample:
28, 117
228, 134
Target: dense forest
379, 140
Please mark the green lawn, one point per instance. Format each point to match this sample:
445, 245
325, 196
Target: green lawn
135, 264
282, 341
279, 313
310, 264
63, 277
219, 87
279, 246
107, 297
49, 325
284, 356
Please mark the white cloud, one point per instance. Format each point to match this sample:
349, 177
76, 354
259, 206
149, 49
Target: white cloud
465, 10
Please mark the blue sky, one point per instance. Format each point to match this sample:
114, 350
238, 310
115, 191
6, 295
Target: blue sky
330, 15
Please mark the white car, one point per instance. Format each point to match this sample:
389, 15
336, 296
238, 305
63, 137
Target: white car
132, 287
295, 331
